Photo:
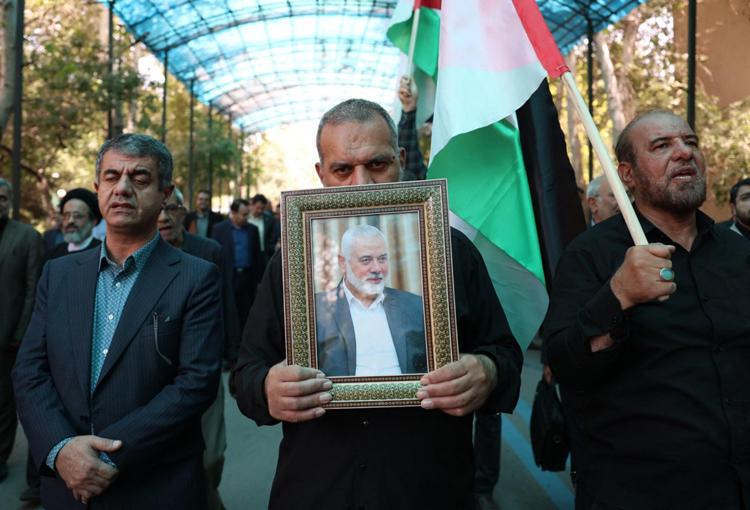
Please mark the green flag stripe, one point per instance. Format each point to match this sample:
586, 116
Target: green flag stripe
523, 297
487, 188
428, 37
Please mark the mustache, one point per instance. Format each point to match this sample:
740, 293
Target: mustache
687, 169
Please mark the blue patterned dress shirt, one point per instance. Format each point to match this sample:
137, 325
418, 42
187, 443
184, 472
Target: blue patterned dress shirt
113, 286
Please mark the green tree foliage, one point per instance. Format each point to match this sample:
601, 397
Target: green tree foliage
67, 89
65, 97
658, 74
214, 148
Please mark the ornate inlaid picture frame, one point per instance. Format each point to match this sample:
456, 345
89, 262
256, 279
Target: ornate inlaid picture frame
368, 288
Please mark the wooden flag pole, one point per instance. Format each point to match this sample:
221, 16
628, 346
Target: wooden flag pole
623, 201
413, 41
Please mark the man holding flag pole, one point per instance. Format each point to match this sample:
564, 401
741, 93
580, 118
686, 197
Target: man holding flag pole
653, 346
653, 341
662, 362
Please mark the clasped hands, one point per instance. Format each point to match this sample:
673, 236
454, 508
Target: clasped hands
80, 467
296, 393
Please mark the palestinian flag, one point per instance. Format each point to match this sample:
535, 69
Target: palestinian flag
428, 32
504, 169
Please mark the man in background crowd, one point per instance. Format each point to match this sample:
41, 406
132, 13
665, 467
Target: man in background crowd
739, 202
20, 262
266, 224
600, 200
240, 243
80, 212
53, 235
201, 221
171, 229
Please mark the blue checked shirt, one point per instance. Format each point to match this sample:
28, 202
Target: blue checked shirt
113, 287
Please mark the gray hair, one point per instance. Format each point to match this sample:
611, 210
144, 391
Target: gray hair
592, 191
359, 232
6, 184
140, 146
356, 110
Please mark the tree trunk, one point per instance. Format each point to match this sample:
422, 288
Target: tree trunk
628, 97
574, 143
45, 192
614, 102
8, 64
3, 32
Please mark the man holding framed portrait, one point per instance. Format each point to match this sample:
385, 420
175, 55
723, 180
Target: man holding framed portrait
403, 458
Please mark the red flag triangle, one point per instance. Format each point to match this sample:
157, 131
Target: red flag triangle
541, 39
432, 4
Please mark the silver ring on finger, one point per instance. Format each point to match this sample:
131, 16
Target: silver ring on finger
666, 274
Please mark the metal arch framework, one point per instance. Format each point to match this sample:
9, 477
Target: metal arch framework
243, 56
569, 20
260, 60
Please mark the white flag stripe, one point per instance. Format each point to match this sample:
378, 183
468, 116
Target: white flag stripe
478, 99
402, 11
523, 297
468, 97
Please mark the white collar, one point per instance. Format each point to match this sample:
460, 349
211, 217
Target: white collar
81, 246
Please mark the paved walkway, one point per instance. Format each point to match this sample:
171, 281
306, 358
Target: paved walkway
252, 453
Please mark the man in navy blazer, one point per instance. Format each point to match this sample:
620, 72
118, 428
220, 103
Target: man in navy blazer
123, 353
364, 328
240, 243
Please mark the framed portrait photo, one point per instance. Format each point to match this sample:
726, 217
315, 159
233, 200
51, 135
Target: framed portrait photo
368, 288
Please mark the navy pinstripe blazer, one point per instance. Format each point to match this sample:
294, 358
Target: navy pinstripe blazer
161, 373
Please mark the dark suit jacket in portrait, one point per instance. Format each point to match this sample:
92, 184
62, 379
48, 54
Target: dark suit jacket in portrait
159, 376
223, 235
192, 217
20, 263
336, 342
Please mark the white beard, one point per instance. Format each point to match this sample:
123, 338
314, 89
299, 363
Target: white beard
78, 236
363, 286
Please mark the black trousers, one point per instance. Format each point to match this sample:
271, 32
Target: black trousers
8, 418
487, 430
244, 295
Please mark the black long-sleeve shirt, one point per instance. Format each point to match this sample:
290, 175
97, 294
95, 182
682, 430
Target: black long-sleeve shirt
665, 412
380, 458
414, 169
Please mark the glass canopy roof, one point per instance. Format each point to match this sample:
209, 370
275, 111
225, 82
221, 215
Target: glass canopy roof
272, 62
